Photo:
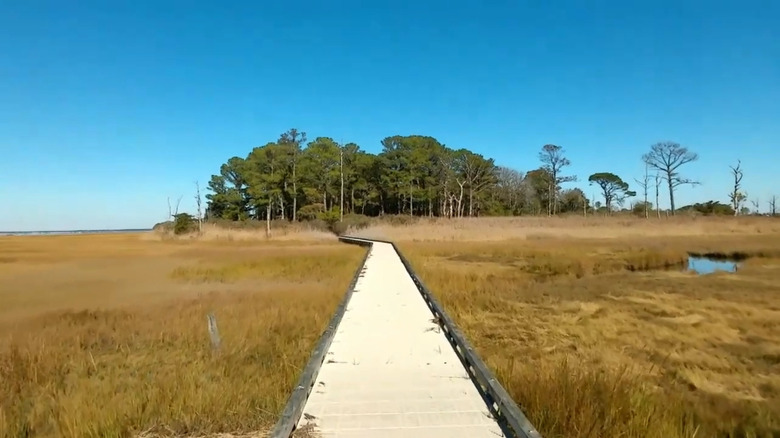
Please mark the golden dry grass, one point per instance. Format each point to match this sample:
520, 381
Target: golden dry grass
280, 231
589, 324
563, 227
596, 331
106, 335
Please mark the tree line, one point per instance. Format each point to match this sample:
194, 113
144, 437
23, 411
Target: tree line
296, 179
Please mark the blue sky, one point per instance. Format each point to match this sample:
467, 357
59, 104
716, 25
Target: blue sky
109, 107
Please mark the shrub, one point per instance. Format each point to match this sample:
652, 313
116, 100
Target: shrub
339, 228
310, 212
184, 223
357, 221
338, 225
164, 227
639, 208
330, 217
317, 225
247, 224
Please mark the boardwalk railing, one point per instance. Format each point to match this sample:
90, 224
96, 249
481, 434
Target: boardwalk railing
508, 415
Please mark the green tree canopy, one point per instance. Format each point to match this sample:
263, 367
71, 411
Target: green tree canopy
411, 175
613, 188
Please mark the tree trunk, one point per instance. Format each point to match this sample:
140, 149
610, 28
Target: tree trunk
281, 201
295, 192
443, 202
471, 201
341, 194
584, 207
453, 213
549, 200
411, 199
268, 219
460, 200
671, 193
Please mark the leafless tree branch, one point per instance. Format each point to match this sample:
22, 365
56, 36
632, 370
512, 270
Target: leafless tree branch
667, 157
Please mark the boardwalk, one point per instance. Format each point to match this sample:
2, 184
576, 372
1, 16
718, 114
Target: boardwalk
389, 371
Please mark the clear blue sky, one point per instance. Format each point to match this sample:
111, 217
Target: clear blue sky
109, 107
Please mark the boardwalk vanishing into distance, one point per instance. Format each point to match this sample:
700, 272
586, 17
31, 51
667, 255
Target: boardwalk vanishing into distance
392, 364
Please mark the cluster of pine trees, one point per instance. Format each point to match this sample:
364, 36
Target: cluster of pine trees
413, 175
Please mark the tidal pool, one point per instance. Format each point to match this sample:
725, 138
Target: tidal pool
705, 265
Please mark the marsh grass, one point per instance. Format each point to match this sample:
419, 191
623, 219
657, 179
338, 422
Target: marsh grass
248, 231
563, 227
609, 336
118, 346
590, 324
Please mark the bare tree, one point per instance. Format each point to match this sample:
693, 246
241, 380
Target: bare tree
773, 205
459, 199
198, 203
509, 187
737, 197
667, 157
175, 211
479, 174
644, 183
658, 180
553, 162
756, 205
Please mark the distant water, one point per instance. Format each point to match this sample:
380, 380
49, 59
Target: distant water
703, 265
65, 232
